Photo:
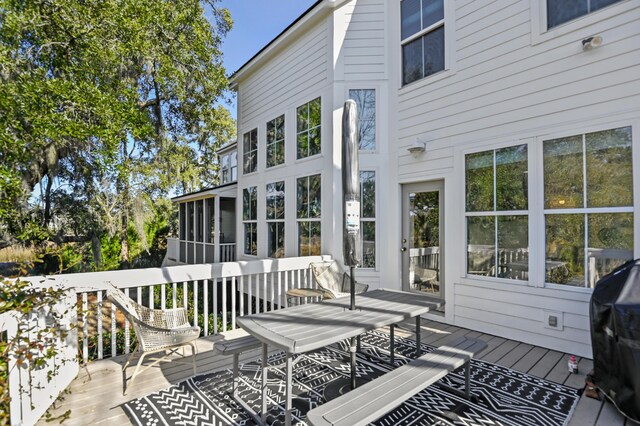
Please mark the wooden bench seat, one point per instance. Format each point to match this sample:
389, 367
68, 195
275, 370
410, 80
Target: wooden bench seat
372, 400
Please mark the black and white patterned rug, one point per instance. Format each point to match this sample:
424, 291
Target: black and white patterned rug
505, 396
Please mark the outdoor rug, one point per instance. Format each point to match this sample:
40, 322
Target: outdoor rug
505, 396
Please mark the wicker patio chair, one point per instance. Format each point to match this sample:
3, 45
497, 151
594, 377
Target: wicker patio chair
156, 330
333, 281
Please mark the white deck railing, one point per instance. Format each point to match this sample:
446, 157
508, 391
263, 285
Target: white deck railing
215, 294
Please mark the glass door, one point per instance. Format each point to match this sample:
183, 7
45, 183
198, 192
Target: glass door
422, 242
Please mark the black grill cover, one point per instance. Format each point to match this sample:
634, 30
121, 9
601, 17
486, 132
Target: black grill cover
615, 337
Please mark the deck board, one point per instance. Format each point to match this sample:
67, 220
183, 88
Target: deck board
98, 400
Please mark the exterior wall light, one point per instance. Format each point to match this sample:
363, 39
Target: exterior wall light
417, 148
591, 42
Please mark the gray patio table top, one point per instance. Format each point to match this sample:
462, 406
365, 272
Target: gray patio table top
308, 327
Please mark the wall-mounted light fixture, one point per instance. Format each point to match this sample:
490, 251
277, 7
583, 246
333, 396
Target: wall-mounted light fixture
591, 42
417, 148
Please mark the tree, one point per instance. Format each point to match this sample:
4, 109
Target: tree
102, 103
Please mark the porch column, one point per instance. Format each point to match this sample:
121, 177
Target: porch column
216, 229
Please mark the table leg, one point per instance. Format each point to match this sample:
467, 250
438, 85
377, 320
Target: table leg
352, 349
418, 346
265, 372
392, 343
288, 404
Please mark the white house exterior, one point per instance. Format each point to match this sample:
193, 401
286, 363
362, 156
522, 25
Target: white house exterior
526, 190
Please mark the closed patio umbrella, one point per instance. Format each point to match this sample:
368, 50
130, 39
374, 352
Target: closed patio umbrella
351, 208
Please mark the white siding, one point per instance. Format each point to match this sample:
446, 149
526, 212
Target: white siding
506, 84
299, 69
364, 46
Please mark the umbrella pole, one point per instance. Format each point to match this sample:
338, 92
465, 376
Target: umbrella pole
353, 339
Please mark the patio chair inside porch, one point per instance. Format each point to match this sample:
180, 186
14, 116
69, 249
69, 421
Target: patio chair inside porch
157, 330
333, 281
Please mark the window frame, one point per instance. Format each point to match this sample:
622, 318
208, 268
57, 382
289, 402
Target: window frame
374, 120
276, 142
315, 219
276, 220
308, 129
586, 211
541, 33
246, 153
495, 213
366, 219
252, 221
537, 238
445, 23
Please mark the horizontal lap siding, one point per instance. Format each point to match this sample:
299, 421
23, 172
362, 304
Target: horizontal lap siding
506, 84
364, 44
295, 71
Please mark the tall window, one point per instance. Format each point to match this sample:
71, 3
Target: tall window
368, 218
497, 213
308, 215
588, 202
250, 152
229, 167
366, 102
422, 34
275, 219
275, 141
308, 138
249, 218
561, 11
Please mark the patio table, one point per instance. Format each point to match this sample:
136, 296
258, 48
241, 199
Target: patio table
308, 327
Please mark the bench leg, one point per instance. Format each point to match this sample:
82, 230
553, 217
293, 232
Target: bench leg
352, 349
418, 345
288, 404
392, 343
265, 372
467, 380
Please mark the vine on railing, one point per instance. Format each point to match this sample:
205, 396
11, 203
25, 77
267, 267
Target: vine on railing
34, 344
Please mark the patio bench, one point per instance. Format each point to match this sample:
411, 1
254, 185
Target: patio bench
235, 347
379, 396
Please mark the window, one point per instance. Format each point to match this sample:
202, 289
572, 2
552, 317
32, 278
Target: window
497, 213
275, 141
561, 11
275, 219
229, 167
422, 34
249, 218
588, 205
366, 102
368, 218
308, 215
250, 152
308, 138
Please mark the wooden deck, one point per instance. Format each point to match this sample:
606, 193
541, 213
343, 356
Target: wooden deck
96, 394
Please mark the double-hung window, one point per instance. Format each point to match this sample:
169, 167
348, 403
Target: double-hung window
366, 105
561, 11
275, 141
308, 215
229, 167
368, 218
423, 38
308, 137
588, 205
250, 152
497, 213
275, 219
249, 220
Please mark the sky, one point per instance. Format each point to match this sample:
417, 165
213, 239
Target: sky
255, 24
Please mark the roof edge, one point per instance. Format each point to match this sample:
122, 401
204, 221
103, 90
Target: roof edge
281, 38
